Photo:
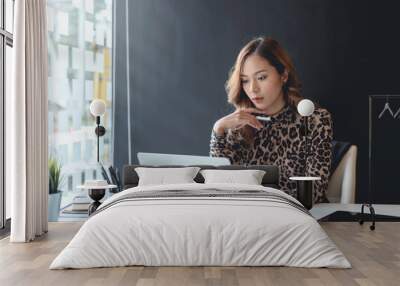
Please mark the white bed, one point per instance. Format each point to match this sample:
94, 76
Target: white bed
206, 230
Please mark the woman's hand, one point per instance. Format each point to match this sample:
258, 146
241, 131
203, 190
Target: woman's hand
238, 119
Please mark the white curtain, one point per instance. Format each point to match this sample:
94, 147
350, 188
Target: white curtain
27, 123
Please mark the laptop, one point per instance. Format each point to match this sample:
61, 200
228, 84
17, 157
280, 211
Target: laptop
174, 159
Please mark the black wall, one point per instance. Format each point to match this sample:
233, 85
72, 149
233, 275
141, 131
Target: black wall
181, 52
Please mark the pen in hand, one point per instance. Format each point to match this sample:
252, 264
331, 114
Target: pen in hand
263, 118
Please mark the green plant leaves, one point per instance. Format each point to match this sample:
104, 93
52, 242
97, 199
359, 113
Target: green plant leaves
54, 175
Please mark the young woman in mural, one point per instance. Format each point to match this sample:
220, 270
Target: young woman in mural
263, 81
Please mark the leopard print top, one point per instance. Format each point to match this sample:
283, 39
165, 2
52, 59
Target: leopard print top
281, 143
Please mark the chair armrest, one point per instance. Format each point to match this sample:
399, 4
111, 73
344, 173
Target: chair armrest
349, 177
342, 183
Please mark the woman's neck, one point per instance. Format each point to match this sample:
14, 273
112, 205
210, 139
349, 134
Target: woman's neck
277, 107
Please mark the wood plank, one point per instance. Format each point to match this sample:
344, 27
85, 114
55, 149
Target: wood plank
374, 255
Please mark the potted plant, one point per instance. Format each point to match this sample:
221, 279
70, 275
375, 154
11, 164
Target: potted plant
54, 192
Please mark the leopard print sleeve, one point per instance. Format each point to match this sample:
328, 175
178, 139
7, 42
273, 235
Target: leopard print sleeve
229, 145
319, 162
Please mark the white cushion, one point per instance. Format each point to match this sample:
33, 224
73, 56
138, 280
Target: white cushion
342, 184
163, 176
248, 177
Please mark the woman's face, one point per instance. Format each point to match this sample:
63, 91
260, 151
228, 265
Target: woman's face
263, 84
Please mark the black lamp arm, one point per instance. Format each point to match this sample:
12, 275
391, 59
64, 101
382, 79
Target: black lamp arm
100, 131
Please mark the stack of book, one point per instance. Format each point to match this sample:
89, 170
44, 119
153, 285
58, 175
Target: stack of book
80, 204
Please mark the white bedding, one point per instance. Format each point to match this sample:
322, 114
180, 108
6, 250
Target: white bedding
200, 231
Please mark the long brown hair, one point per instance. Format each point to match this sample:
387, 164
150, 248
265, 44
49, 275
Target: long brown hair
274, 53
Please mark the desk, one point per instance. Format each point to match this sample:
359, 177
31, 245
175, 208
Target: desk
321, 210
351, 212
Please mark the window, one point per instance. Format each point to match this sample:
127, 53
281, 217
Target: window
6, 44
83, 178
70, 183
79, 52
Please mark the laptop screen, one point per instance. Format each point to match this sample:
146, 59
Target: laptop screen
175, 159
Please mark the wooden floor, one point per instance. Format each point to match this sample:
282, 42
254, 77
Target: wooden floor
374, 255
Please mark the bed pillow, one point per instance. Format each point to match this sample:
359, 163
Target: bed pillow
163, 176
248, 177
